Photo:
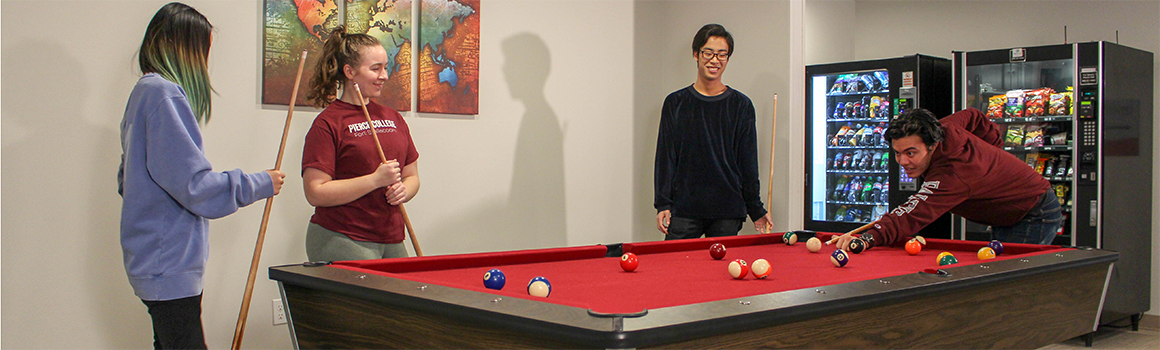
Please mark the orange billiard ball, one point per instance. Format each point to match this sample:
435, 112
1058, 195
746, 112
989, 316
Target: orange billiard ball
913, 247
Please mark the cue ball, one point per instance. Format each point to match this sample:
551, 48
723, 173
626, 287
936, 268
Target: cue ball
789, 238
857, 246
996, 246
717, 251
760, 268
913, 247
839, 258
986, 253
948, 260
738, 268
814, 244
539, 287
494, 279
920, 240
628, 262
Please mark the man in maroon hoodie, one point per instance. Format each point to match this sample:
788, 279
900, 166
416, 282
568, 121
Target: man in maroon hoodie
964, 171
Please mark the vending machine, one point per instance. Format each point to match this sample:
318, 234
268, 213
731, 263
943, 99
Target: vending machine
1080, 115
851, 177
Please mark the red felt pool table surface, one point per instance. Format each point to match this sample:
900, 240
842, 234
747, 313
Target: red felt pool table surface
672, 274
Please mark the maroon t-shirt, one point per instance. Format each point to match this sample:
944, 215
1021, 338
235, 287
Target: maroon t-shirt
969, 175
338, 145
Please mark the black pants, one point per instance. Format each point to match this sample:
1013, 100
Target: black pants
177, 323
686, 228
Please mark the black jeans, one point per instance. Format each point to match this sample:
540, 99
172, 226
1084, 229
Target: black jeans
686, 228
177, 323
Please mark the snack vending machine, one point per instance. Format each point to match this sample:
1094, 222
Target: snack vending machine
851, 177
1080, 115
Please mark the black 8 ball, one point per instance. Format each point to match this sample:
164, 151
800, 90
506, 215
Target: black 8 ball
857, 246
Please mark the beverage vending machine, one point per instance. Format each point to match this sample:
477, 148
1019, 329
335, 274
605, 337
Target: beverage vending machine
1081, 115
851, 177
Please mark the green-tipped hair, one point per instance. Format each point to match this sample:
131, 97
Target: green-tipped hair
176, 47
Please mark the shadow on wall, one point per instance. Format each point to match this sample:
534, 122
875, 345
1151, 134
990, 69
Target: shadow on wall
61, 206
534, 216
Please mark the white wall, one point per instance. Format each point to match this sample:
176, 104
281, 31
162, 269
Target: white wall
894, 28
828, 30
543, 164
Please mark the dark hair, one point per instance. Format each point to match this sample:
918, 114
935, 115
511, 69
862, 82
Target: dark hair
919, 122
709, 31
339, 50
176, 47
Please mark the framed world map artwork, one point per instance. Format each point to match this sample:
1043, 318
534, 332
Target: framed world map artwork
448, 70
449, 57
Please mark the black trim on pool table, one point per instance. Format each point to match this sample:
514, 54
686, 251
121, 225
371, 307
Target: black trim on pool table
677, 323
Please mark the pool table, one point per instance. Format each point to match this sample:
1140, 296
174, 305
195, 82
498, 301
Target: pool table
680, 297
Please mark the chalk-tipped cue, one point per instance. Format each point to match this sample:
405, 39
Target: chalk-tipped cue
857, 230
383, 157
772, 142
241, 327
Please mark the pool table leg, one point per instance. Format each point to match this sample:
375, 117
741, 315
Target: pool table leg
289, 318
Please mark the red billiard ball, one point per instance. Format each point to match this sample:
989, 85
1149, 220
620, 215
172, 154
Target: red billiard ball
913, 247
628, 262
760, 268
717, 251
738, 269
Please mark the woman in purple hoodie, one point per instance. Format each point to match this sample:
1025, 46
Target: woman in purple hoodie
169, 190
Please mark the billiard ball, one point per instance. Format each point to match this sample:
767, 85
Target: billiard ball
986, 253
628, 262
839, 258
539, 287
913, 247
996, 246
857, 246
948, 260
494, 279
789, 238
920, 240
940, 256
717, 251
738, 268
760, 268
814, 244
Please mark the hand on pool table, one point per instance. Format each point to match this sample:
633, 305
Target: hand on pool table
763, 225
663, 218
844, 241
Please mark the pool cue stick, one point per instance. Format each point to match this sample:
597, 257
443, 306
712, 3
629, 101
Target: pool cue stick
857, 230
383, 157
772, 142
241, 326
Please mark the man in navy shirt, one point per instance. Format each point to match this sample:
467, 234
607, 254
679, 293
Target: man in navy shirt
705, 176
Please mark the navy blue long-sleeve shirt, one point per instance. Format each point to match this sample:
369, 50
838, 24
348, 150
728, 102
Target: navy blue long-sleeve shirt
706, 160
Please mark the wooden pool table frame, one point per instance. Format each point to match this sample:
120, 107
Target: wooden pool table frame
1018, 303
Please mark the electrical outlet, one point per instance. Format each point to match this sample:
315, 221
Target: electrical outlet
279, 312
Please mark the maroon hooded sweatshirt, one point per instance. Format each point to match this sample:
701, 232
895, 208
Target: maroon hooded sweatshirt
969, 175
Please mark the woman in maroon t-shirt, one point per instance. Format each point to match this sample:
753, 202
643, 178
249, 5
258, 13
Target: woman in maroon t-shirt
356, 196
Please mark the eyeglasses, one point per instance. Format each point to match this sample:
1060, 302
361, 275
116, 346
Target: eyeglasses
708, 55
